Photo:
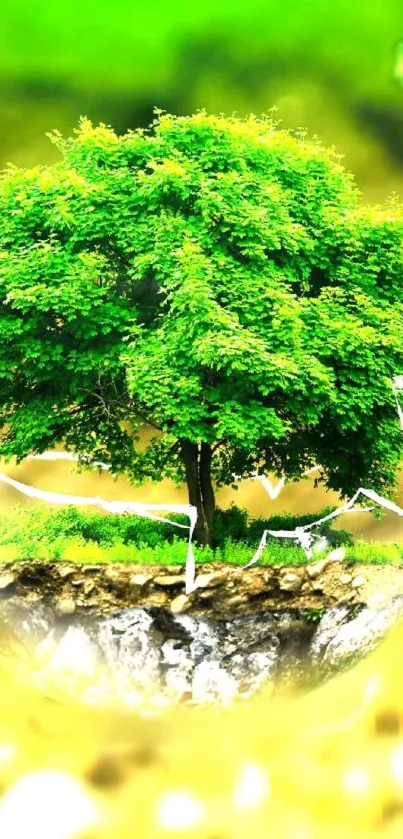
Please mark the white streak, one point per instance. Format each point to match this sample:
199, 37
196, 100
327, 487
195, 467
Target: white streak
120, 507
272, 491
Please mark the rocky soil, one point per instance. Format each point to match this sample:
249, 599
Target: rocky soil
222, 590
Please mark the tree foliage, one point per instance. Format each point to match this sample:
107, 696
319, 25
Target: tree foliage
214, 278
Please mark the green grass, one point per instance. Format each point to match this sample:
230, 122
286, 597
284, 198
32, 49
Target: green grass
84, 536
375, 553
174, 553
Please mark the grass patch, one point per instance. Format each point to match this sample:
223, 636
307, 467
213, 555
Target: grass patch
168, 553
29, 525
84, 536
9, 553
375, 553
276, 553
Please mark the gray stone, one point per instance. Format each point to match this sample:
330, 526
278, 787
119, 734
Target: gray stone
212, 684
359, 636
131, 648
148, 651
327, 629
29, 624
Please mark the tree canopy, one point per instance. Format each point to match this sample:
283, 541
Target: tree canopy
216, 279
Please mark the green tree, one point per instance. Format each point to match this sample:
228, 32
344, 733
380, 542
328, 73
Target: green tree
216, 279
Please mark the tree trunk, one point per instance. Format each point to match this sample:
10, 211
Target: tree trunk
197, 458
206, 486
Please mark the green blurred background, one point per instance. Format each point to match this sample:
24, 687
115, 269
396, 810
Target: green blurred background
332, 67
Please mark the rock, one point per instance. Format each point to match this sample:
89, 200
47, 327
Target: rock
112, 574
180, 603
214, 578
231, 637
257, 587
212, 684
159, 599
377, 601
327, 629
6, 581
204, 594
131, 645
65, 606
252, 631
236, 601
66, 571
150, 652
358, 581
139, 581
315, 569
345, 639
290, 582
171, 581
115, 579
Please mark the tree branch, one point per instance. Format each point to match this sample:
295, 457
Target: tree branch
176, 445
218, 444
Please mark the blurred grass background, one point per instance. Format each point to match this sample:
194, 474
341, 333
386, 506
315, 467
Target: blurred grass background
330, 67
